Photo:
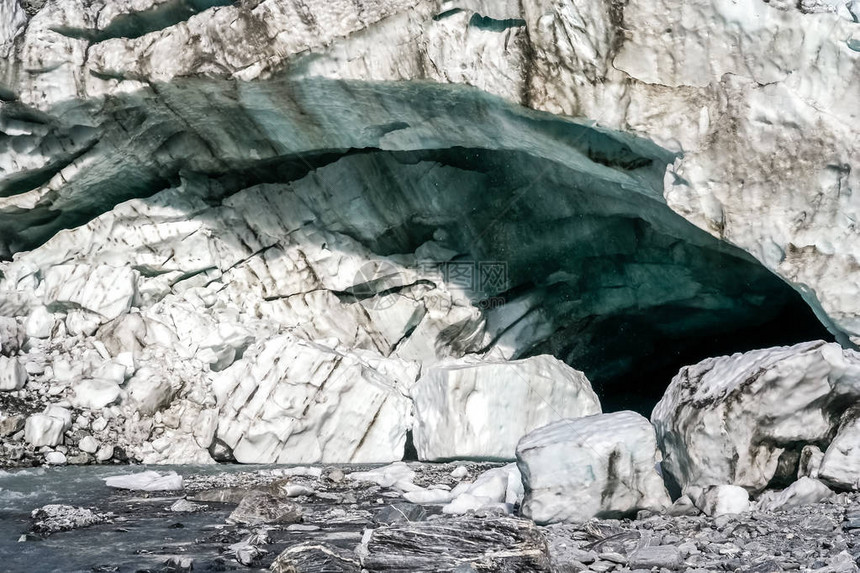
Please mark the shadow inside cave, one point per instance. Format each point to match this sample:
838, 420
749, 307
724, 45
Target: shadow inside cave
599, 271
642, 384
614, 283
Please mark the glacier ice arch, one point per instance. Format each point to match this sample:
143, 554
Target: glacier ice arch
600, 271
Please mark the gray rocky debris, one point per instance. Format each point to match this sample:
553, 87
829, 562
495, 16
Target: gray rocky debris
11, 424
661, 556
258, 508
232, 495
185, 506
316, 558
503, 544
57, 517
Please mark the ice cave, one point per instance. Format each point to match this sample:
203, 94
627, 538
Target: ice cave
434, 285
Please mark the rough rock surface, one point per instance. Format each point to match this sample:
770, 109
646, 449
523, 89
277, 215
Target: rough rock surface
743, 419
438, 544
312, 557
58, 517
597, 466
482, 409
258, 508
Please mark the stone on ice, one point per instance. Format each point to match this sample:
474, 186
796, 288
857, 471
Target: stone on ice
149, 391
56, 517
185, 506
126, 333
258, 508
596, 466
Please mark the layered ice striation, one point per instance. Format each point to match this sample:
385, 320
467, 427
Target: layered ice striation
188, 188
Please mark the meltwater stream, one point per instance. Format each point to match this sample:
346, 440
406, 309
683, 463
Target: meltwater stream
142, 536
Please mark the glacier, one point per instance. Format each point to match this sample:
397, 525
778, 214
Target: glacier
186, 187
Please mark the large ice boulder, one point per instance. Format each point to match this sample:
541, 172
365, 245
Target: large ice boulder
39, 323
730, 420
804, 491
103, 290
12, 336
497, 489
293, 401
47, 428
597, 466
482, 409
13, 376
840, 466
95, 394
719, 500
149, 391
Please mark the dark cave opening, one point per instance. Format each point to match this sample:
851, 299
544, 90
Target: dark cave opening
642, 385
613, 283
